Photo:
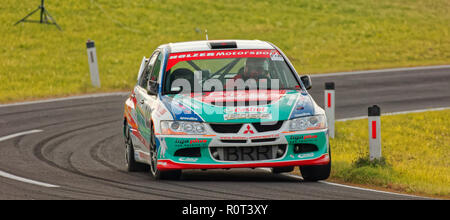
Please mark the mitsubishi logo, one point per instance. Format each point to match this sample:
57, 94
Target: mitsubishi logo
249, 130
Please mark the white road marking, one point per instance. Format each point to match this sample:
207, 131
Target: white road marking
19, 134
371, 190
25, 180
18, 178
393, 70
347, 186
396, 113
67, 98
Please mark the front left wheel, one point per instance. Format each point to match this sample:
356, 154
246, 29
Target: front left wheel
154, 172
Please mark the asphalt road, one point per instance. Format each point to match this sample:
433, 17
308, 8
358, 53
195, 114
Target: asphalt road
80, 150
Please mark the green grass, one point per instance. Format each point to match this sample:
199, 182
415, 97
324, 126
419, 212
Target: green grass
415, 149
319, 36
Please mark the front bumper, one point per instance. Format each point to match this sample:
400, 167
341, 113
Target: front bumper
168, 145
171, 165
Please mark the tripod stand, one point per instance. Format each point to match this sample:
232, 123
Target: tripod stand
45, 17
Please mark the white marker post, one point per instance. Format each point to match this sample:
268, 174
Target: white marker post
93, 65
374, 133
329, 107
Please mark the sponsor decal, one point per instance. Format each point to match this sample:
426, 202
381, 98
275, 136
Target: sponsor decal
162, 148
188, 159
160, 110
233, 138
303, 107
178, 110
301, 138
144, 156
247, 116
250, 138
306, 155
188, 118
174, 58
198, 141
246, 109
309, 137
301, 115
162, 163
187, 142
276, 56
190, 141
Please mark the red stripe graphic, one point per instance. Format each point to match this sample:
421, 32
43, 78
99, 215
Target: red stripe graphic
329, 100
174, 58
374, 129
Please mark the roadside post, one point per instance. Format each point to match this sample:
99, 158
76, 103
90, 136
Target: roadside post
93, 65
374, 132
330, 107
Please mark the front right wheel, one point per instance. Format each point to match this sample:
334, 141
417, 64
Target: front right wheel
315, 173
130, 162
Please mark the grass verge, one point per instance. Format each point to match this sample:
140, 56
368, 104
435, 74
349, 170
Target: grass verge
318, 35
415, 149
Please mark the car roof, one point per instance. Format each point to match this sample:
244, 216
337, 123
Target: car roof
203, 45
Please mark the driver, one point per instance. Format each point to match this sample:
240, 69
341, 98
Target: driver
255, 68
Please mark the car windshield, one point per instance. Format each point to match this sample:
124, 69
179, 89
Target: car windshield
207, 71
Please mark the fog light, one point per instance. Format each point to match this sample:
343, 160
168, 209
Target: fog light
281, 150
297, 149
215, 153
280, 153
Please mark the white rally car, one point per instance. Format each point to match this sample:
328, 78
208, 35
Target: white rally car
223, 104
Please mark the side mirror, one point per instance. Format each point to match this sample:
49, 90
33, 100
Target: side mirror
306, 80
141, 68
152, 88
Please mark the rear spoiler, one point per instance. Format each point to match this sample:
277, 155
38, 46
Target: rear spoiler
222, 45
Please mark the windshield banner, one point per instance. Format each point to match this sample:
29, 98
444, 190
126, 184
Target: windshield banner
174, 58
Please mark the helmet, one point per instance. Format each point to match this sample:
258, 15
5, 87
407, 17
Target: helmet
255, 67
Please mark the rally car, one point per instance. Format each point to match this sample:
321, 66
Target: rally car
220, 105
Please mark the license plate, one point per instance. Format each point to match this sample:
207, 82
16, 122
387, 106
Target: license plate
247, 153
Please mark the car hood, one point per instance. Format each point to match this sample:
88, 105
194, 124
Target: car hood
246, 106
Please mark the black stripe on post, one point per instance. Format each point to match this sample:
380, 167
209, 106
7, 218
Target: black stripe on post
329, 85
90, 44
374, 111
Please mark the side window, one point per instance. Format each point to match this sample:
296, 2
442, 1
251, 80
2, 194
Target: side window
156, 68
146, 74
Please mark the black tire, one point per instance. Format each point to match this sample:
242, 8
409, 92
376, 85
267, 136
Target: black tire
130, 162
154, 172
277, 170
316, 172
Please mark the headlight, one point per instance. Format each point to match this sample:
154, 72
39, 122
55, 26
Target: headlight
308, 123
182, 127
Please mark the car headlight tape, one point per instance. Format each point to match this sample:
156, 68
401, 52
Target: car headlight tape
308, 123
200, 128
182, 127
